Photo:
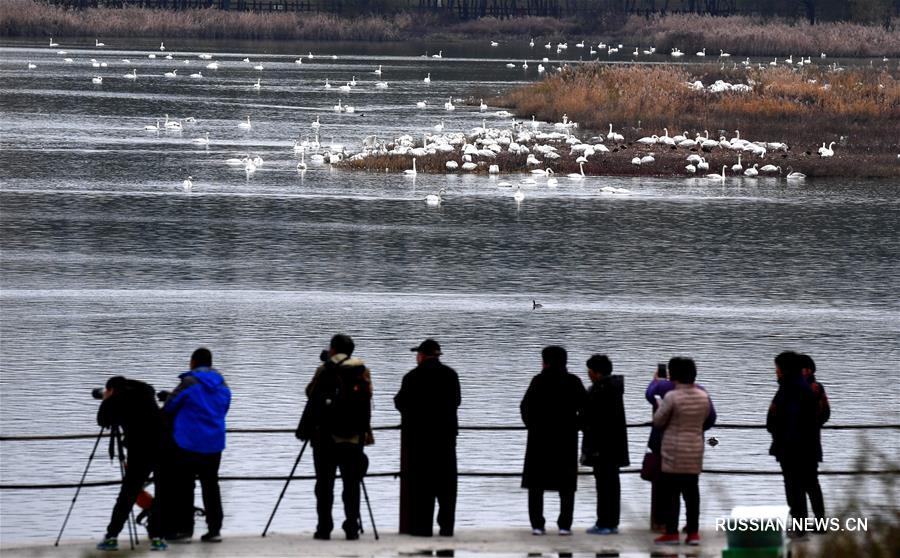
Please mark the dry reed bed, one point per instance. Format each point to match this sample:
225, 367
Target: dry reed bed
742, 36
859, 109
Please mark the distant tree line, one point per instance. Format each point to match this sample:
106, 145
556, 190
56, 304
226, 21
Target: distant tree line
862, 11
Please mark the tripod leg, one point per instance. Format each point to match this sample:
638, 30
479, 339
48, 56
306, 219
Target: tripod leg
129, 522
80, 483
368, 505
283, 490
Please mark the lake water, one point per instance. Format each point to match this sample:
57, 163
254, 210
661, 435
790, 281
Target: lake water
108, 267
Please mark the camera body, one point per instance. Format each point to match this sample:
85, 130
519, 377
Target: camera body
661, 370
323, 356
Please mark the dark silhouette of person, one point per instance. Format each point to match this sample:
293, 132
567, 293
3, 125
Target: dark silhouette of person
823, 413
551, 411
605, 443
428, 400
131, 405
793, 422
337, 422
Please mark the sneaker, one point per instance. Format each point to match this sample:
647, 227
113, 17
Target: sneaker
692, 539
109, 543
594, 530
538, 532
158, 544
668, 538
352, 535
565, 532
212, 537
321, 536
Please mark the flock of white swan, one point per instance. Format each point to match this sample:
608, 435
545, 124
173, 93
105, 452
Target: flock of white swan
475, 150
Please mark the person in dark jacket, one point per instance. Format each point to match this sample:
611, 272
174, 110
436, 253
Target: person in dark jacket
794, 424
605, 443
551, 411
428, 399
196, 410
338, 427
130, 405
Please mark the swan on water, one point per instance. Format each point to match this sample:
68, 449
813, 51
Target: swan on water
770, 168
451, 165
162, 46
198, 75
440, 54
132, 75
52, 43
258, 67
737, 166
435, 199
752, 171
245, 125
381, 85
495, 44
551, 180
31, 66
482, 107
201, 141
378, 71
152, 128
172, 124
301, 166
421, 104
345, 87
412, 171
827, 151
439, 127
327, 85
531, 42
316, 124
258, 84
188, 183
519, 195
171, 74
702, 52
575, 175
717, 176
510, 65
793, 175
97, 79
97, 43
353, 81
427, 78
449, 104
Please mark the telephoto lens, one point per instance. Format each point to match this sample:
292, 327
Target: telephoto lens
323, 356
97, 393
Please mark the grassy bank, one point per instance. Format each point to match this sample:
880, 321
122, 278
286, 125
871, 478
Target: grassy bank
857, 109
741, 36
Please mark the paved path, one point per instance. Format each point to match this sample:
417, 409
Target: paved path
469, 543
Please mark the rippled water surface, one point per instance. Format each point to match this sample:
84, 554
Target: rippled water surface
108, 267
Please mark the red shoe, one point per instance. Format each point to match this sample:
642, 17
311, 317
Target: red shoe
671, 539
692, 539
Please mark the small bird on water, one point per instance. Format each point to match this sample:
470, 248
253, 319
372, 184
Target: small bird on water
535, 304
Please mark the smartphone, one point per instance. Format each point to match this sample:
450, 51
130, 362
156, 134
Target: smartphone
661, 370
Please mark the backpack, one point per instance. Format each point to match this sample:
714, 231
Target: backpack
341, 404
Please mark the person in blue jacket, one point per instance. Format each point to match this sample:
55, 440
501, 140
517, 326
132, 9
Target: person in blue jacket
196, 411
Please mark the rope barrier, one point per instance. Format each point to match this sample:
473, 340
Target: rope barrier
479, 474
497, 428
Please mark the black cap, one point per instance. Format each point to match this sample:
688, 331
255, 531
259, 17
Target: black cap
429, 347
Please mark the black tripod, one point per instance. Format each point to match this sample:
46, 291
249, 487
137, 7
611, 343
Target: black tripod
113, 438
115, 442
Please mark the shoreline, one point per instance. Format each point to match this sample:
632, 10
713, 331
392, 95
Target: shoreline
738, 35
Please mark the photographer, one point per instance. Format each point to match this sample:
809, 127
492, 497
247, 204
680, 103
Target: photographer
336, 421
131, 406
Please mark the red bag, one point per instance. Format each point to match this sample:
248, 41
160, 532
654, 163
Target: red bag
651, 467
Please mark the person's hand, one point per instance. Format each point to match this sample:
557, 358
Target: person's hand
107, 393
658, 398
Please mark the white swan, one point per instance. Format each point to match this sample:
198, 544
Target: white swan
152, 128
435, 199
338, 107
97, 43
198, 75
258, 84
381, 85
421, 104
353, 81
97, 80
752, 171
793, 175
201, 141
691, 169
345, 87
259, 67
551, 180
162, 46
412, 171
427, 78
737, 167
440, 54
770, 168
378, 71
245, 125
327, 85
449, 104
827, 151
717, 176
495, 44
173, 125
439, 127
31, 66
52, 43
451, 165
575, 175
519, 195
613, 135
702, 52
301, 166
171, 74
482, 107
132, 75
316, 124
188, 183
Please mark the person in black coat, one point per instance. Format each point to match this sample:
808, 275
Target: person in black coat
130, 405
793, 422
428, 399
551, 411
605, 443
